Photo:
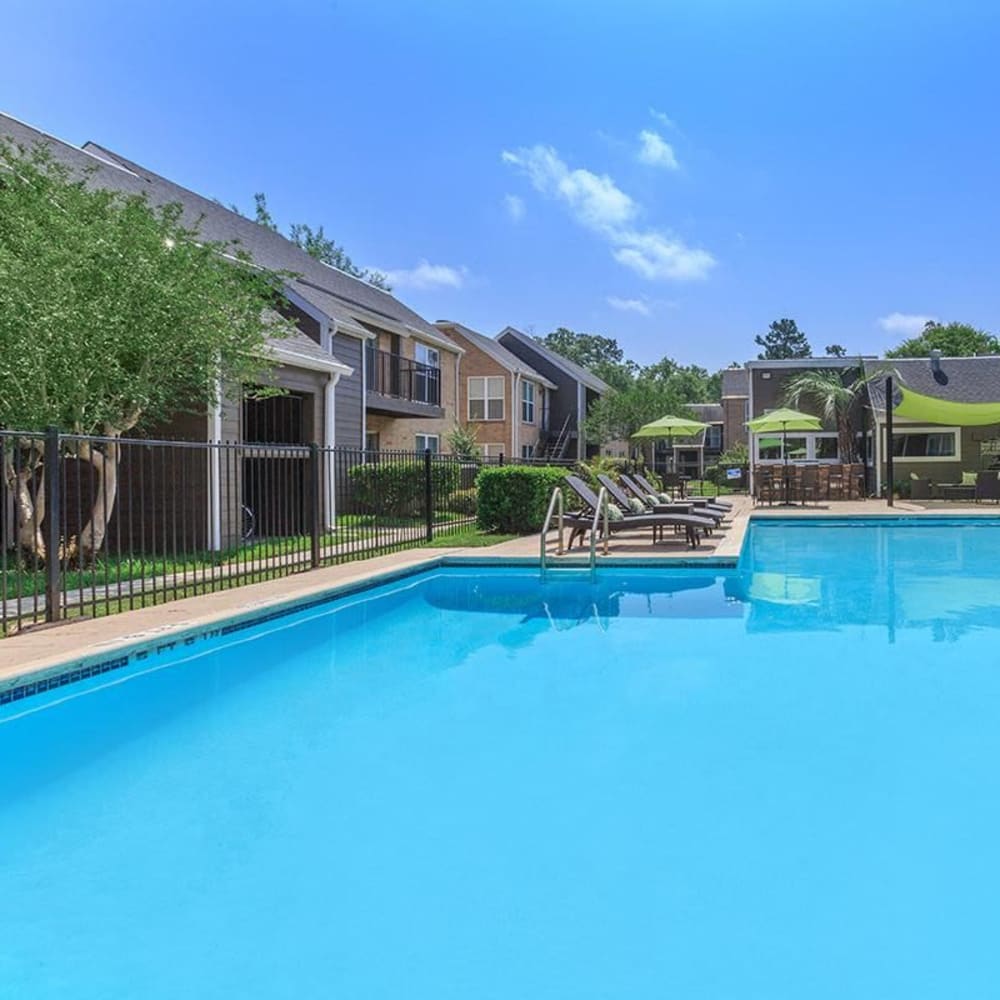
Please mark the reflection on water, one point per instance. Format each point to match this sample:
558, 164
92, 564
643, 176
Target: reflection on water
942, 576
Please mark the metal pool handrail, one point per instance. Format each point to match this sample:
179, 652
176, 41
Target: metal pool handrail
602, 507
555, 502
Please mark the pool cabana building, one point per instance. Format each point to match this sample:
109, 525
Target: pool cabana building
946, 418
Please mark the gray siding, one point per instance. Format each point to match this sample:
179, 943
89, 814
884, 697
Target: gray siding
562, 401
349, 401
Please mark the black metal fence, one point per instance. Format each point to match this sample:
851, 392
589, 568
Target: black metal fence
95, 525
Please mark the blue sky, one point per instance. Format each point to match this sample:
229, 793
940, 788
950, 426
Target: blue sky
675, 175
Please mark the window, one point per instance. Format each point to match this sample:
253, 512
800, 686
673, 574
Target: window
491, 450
528, 404
924, 444
428, 442
713, 438
426, 374
827, 448
527, 451
820, 447
486, 397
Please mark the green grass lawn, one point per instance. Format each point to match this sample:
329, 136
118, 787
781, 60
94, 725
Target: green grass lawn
468, 539
702, 487
383, 532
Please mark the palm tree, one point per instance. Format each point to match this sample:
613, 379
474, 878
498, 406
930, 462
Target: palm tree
835, 399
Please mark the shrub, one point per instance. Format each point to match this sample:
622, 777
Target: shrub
463, 502
514, 498
714, 474
600, 465
396, 488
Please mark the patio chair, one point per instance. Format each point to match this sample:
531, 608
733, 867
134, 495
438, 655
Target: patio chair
647, 486
622, 499
582, 521
920, 487
698, 506
809, 484
988, 485
769, 485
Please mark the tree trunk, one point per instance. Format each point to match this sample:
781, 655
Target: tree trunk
845, 435
29, 502
88, 543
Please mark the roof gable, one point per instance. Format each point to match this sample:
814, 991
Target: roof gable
571, 368
495, 350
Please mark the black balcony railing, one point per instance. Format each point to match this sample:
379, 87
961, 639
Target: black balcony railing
402, 378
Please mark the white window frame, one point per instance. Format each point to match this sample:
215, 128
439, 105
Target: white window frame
436, 438
527, 451
528, 404
482, 394
810, 437
898, 429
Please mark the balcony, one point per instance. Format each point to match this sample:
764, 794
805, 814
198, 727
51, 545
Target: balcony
399, 386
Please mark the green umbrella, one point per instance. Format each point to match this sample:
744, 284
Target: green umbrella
783, 421
669, 427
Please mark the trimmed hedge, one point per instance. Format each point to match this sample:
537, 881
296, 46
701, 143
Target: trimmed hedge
397, 488
514, 498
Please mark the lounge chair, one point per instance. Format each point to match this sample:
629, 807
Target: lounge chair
582, 521
621, 498
701, 505
647, 486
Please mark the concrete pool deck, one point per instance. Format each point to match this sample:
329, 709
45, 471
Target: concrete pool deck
49, 649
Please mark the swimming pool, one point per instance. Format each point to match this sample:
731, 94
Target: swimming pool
778, 780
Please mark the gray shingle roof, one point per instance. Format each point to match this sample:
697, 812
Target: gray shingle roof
571, 368
963, 380
735, 382
495, 350
708, 413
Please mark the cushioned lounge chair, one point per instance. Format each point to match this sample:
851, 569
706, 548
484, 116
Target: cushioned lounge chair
645, 484
701, 505
582, 521
659, 506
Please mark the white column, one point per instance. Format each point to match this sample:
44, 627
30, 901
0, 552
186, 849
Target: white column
327, 465
215, 475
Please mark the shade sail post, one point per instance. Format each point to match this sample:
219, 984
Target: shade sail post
890, 485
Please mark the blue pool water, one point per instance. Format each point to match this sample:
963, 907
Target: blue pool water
777, 781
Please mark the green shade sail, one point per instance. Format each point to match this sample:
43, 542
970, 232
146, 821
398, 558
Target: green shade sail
669, 427
780, 421
930, 410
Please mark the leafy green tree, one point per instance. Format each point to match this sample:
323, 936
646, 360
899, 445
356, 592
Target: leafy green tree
953, 340
836, 351
783, 339
111, 314
317, 244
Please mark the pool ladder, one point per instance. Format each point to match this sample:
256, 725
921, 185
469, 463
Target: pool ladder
556, 510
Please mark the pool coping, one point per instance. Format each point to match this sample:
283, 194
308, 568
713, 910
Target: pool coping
173, 624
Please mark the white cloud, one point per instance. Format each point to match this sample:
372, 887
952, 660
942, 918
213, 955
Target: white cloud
658, 257
908, 324
655, 152
662, 118
629, 305
596, 202
594, 199
426, 275
514, 206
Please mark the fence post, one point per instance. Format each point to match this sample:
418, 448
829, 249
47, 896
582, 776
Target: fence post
315, 503
890, 471
52, 472
500, 460
428, 495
